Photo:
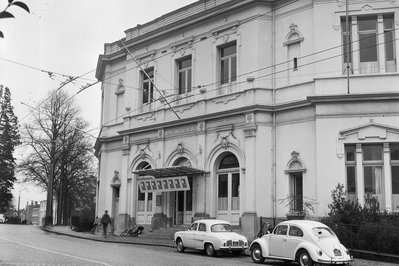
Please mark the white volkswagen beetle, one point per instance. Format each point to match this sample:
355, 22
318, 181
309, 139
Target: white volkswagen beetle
211, 236
307, 242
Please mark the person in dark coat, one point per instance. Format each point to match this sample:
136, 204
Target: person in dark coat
105, 220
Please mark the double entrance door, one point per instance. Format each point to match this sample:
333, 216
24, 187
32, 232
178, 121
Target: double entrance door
228, 195
183, 205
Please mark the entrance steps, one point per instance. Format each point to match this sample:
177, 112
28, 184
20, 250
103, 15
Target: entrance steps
163, 233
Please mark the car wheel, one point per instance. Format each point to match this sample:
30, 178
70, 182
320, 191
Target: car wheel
304, 258
256, 254
210, 250
179, 245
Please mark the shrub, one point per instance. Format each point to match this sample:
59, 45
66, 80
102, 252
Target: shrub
363, 227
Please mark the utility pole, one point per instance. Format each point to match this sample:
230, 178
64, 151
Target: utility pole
348, 38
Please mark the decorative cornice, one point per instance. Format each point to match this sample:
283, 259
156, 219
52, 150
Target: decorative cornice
354, 97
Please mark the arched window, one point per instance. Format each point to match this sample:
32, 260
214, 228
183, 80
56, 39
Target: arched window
228, 188
229, 161
144, 199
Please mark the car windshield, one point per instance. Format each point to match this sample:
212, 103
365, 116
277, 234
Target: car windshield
221, 228
321, 232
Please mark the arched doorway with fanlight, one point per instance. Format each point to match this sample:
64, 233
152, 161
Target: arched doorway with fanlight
228, 188
144, 208
182, 201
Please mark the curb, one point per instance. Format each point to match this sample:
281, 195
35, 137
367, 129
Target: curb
107, 240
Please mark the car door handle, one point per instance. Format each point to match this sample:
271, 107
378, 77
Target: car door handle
284, 240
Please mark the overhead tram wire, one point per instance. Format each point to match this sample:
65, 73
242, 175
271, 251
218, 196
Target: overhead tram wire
150, 79
215, 83
59, 120
203, 38
284, 70
257, 70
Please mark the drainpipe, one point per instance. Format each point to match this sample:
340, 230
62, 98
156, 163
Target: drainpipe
274, 135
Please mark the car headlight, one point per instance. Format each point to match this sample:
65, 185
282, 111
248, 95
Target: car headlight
319, 252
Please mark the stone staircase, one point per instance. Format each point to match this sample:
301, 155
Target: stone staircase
163, 233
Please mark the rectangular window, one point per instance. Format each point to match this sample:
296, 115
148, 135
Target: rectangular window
347, 40
367, 39
223, 192
389, 38
395, 179
373, 179
351, 179
394, 152
149, 202
372, 168
189, 196
296, 191
235, 191
369, 48
147, 85
228, 63
350, 160
372, 152
185, 72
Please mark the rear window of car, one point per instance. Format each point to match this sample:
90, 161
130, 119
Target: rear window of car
323, 232
221, 228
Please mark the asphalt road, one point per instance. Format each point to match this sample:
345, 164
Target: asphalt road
29, 245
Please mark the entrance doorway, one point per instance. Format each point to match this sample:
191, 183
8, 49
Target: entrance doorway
144, 201
183, 205
183, 200
228, 189
115, 207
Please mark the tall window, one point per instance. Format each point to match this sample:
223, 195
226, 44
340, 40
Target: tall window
147, 86
350, 160
394, 149
389, 42
368, 39
228, 187
367, 45
144, 200
185, 70
296, 191
372, 168
228, 63
347, 43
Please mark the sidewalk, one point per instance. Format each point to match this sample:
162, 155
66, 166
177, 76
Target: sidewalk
144, 239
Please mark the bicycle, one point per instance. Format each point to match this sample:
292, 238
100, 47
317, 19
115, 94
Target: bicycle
135, 231
96, 227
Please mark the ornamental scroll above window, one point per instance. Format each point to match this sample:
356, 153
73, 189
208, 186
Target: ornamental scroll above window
295, 164
293, 36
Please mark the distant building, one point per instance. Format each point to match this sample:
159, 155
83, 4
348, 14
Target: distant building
32, 213
250, 107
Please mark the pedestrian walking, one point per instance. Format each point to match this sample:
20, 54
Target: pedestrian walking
105, 220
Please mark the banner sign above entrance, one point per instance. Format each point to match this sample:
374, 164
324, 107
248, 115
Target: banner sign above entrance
177, 183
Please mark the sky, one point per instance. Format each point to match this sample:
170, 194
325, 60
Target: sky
64, 37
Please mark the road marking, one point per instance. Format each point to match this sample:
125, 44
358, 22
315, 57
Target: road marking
55, 252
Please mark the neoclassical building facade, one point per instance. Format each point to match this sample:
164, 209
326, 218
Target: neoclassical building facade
239, 110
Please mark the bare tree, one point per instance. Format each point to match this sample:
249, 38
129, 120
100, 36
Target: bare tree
61, 155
